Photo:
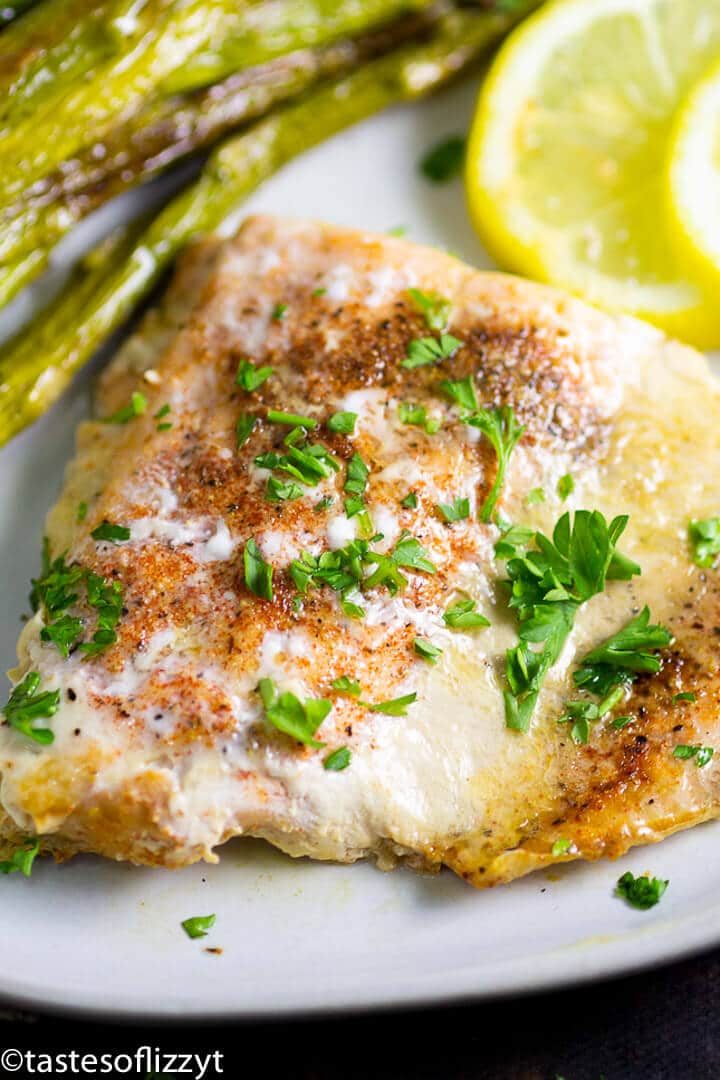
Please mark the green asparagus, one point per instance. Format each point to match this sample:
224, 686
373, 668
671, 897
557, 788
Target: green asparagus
168, 130
37, 366
84, 114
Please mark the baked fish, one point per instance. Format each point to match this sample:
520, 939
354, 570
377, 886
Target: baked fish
373, 555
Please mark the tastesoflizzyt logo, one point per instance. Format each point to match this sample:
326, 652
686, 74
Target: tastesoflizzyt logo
150, 1062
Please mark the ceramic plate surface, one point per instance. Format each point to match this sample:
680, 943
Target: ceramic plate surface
300, 936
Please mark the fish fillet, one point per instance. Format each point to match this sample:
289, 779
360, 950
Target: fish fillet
162, 749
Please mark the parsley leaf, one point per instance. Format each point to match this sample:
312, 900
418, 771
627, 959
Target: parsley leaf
461, 391
279, 491
705, 541
113, 534
357, 475
410, 501
436, 309
106, 598
547, 586
444, 161
279, 312
22, 859
63, 633
136, 407
300, 720
81, 512
410, 552
250, 377
535, 496
561, 847
417, 416
258, 573
342, 423
292, 419
338, 760
198, 925
394, 707
26, 705
428, 350
504, 433
345, 685
641, 892
687, 696
244, 428
462, 616
632, 650
565, 486
702, 754
459, 510
427, 650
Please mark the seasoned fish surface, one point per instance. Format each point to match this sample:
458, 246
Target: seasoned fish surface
162, 747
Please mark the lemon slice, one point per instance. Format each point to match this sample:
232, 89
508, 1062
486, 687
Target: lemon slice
694, 182
566, 164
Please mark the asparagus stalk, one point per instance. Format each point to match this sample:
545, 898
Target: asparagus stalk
60, 42
170, 129
84, 114
38, 365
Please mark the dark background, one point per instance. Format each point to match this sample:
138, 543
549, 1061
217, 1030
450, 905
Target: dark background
658, 1025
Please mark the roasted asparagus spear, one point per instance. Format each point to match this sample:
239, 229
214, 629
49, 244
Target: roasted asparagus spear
37, 366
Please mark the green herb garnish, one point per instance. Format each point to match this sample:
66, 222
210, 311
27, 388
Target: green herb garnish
436, 309
114, 534
427, 650
25, 705
444, 161
244, 428
198, 925
702, 754
565, 486
458, 510
357, 475
281, 491
428, 350
535, 496
619, 659
641, 892
705, 541
417, 416
250, 377
279, 312
687, 696
461, 391
291, 419
136, 407
22, 859
394, 707
258, 573
410, 501
342, 423
504, 433
338, 760
561, 847
300, 720
82, 512
345, 685
462, 616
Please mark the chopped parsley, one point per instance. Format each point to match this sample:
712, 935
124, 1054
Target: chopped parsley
410, 501
64, 633
106, 598
319, 291
619, 659
547, 586
430, 350
357, 475
345, 685
535, 496
444, 161
250, 377
565, 486
461, 391
308, 463
82, 512
458, 510
504, 433
394, 707
462, 616
22, 859
705, 541
281, 491
417, 416
300, 720
163, 427
397, 230
114, 534
164, 410
135, 407
561, 847
25, 705
702, 754
687, 696
258, 573
436, 309
338, 760
244, 428
427, 650
324, 504
640, 892
291, 419
342, 423
279, 312
198, 925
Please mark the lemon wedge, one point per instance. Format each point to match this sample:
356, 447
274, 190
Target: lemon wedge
567, 158
693, 176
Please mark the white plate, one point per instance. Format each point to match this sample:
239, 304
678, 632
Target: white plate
298, 936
